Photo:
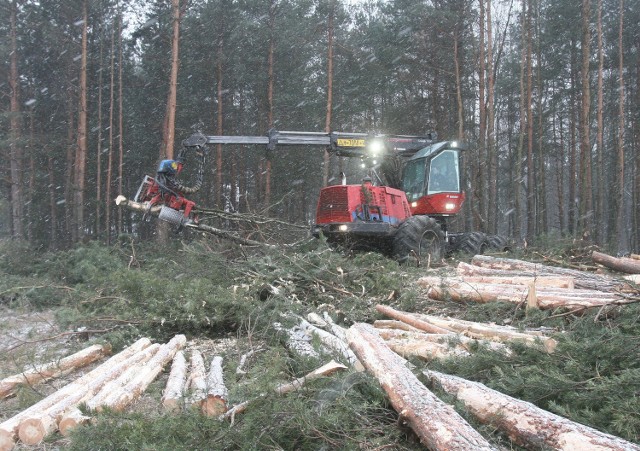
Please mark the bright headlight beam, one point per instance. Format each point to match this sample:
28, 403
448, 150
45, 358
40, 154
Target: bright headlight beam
375, 147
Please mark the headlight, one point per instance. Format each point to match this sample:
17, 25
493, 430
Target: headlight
449, 206
376, 147
414, 204
343, 228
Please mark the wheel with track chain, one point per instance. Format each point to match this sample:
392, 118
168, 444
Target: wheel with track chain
498, 243
472, 243
419, 237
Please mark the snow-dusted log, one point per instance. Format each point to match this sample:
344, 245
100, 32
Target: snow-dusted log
332, 342
626, 265
36, 427
524, 423
175, 388
41, 373
460, 342
215, 403
335, 329
9, 428
197, 380
427, 350
131, 391
583, 279
437, 424
297, 341
542, 281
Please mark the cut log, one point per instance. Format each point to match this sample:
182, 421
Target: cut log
635, 256
459, 341
324, 370
215, 403
546, 299
437, 424
542, 281
426, 350
9, 428
175, 389
394, 324
125, 375
72, 419
582, 279
469, 328
121, 398
67, 412
36, 427
626, 265
297, 341
332, 342
41, 373
197, 380
243, 361
411, 320
524, 423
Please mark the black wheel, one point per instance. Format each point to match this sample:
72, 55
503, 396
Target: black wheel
498, 243
473, 243
419, 237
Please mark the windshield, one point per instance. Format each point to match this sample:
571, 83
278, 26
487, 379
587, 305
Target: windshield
444, 173
413, 180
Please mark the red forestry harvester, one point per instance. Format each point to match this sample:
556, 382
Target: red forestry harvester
406, 220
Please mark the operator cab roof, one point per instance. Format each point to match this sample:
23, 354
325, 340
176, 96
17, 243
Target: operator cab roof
437, 147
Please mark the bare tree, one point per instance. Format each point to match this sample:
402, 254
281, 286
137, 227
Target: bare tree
492, 211
80, 163
586, 196
620, 226
600, 231
15, 132
327, 123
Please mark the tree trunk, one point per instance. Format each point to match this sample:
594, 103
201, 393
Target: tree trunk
480, 188
531, 207
270, 64
120, 120
54, 369
411, 320
109, 179
219, 117
215, 403
175, 389
586, 196
524, 423
15, 131
600, 199
327, 124
80, 164
437, 424
492, 154
620, 223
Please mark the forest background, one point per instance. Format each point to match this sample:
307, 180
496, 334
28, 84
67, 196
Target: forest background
547, 94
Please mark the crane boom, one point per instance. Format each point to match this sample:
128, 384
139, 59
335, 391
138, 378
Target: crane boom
340, 143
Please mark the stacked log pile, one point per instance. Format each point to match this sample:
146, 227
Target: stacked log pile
490, 279
438, 425
135, 367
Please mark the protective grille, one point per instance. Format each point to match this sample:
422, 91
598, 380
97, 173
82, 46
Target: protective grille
333, 205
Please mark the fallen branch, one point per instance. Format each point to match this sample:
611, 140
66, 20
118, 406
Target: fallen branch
437, 424
155, 211
325, 370
524, 423
333, 342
